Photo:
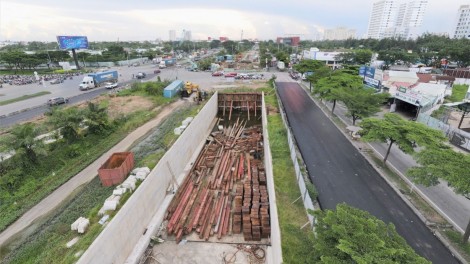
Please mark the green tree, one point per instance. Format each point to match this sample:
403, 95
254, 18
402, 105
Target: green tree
308, 66
328, 88
350, 235
436, 164
205, 64
96, 118
320, 73
214, 44
68, 122
23, 140
407, 135
361, 102
167, 48
282, 56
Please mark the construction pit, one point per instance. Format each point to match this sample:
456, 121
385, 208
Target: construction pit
220, 213
210, 198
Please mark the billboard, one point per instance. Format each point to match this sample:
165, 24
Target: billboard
362, 70
409, 96
72, 42
372, 82
370, 72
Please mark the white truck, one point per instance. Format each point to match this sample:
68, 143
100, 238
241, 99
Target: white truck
162, 65
281, 66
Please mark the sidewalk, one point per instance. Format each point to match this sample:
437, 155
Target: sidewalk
454, 208
59, 195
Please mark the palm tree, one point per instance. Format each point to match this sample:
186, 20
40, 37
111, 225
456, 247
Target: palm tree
24, 142
97, 117
68, 122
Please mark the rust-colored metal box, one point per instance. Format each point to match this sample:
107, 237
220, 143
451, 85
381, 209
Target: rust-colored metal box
115, 169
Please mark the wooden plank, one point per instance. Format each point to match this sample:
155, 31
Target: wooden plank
248, 107
230, 115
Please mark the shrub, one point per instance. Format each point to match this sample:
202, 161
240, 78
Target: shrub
312, 191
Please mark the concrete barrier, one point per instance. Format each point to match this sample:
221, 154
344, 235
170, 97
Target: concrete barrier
274, 253
118, 239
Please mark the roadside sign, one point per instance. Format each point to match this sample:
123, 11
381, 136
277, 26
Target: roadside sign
407, 95
372, 82
362, 70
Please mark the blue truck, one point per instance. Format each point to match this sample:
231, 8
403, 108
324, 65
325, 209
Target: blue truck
96, 79
173, 89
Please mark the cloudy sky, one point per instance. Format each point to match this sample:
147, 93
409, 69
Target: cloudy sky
149, 19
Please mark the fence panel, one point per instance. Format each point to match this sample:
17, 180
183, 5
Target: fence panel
457, 137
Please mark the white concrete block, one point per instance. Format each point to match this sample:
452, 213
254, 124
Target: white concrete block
83, 225
72, 242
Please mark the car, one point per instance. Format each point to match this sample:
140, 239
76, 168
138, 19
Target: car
57, 101
110, 85
229, 75
156, 71
141, 75
217, 74
55, 81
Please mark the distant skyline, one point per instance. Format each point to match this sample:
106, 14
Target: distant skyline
106, 20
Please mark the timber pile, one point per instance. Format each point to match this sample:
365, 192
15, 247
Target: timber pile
225, 190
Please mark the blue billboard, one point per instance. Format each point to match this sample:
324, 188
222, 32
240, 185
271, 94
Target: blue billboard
362, 70
72, 42
370, 72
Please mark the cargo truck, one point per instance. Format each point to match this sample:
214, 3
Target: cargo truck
162, 65
281, 66
96, 79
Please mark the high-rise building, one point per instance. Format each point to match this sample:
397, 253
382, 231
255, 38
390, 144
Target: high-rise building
173, 35
461, 27
317, 37
383, 15
187, 35
339, 33
408, 19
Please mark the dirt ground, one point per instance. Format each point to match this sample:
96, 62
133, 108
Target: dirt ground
121, 105
455, 118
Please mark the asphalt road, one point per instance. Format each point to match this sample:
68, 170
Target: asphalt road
342, 175
70, 87
454, 206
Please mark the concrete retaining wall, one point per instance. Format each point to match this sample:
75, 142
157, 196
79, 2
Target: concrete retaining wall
274, 253
118, 239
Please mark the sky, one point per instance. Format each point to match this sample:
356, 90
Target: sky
108, 20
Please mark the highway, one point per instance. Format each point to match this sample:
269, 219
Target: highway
342, 175
69, 88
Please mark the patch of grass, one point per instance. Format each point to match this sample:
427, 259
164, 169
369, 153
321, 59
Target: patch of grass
297, 247
24, 97
458, 92
457, 239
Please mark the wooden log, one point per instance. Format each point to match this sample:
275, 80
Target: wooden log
248, 165
231, 106
248, 107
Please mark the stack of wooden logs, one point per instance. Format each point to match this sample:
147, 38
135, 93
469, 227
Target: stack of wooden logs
225, 190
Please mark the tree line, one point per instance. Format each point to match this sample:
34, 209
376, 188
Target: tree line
428, 49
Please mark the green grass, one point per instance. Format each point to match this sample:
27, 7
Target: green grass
458, 92
457, 238
49, 246
297, 246
24, 97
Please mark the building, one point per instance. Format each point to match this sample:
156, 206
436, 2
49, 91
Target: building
173, 35
383, 16
291, 41
328, 57
317, 37
187, 35
461, 27
222, 39
339, 33
409, 20
441, 34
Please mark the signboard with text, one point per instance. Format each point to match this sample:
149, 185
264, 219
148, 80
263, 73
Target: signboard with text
378, 75
372, 82
409, 96
370, 72
72, 42
362, 70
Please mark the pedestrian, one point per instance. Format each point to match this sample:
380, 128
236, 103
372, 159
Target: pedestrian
132, 76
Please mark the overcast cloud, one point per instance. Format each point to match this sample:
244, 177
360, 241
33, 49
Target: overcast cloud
149, 19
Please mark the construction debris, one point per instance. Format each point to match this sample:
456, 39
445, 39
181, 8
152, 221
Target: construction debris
225, 190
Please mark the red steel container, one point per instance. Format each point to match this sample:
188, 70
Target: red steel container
115, 169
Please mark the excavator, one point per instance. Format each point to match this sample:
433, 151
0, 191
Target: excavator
188, 89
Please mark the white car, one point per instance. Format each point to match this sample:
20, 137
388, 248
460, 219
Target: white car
111, 85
